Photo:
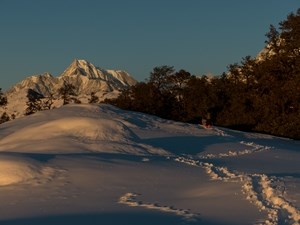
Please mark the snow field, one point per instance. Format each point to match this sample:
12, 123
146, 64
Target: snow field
256, 187
258, 190
100, 157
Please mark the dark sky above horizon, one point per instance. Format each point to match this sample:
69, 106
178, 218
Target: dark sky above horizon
200, 36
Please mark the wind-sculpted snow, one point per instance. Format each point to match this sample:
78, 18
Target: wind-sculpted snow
130, 199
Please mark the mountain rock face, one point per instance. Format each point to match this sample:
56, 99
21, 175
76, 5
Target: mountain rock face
86, 78
83, 75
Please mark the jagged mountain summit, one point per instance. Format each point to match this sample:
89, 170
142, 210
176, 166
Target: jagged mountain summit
83, 75
86, 78
116, 78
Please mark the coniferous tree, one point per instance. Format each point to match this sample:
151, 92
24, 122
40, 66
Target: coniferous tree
3, 99
94, 98
68, 93
4, 118
178, 82
160, 77
278, 81
145, 97
34, 102
255, 95
290, 33
123, 100
48, 101
3, 102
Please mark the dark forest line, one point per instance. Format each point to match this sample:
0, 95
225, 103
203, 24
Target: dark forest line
258, 94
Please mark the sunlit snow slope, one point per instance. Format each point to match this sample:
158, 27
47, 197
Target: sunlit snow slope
97, 164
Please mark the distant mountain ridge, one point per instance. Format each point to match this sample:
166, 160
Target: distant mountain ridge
86, 78
83, 75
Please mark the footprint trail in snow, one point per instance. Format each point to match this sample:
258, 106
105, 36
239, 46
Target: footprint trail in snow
130, 199
267, 193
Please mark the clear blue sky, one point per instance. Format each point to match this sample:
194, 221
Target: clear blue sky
200, 36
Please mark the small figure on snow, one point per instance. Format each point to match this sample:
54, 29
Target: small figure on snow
206, 123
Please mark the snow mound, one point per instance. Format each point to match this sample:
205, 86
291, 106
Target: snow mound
75, 129
15, 170
71, 132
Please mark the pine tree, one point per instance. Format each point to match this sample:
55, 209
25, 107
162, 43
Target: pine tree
94, 98
34, 102
3, 99
4, 118
68, 93
290, 33
160, 77
48, 102
258, 95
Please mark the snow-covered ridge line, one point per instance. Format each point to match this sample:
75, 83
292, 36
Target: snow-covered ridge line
130, 200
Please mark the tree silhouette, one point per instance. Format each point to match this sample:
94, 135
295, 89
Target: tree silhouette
67, 92
3, 99
94, 98
254, 95
4, 118
34, 102
160, 77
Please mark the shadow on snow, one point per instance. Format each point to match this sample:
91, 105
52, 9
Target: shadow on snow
108, 219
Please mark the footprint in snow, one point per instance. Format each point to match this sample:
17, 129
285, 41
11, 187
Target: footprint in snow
130, 200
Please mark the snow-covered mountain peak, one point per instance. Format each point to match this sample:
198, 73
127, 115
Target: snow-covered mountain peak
86, 78
83, 68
